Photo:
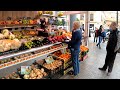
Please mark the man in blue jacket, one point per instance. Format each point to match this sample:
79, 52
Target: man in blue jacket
74, 46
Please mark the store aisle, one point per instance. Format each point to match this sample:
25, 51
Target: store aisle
96, 58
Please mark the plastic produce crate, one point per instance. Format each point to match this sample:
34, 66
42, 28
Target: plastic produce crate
53, 74
67, 70
83, 58
22, 76
65, 64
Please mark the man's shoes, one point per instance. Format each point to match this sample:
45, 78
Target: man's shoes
99, 47
108, 74
102, 69
71, 73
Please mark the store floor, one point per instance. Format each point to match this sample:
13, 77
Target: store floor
96, 57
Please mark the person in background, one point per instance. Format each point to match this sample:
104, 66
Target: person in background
103, 34
112, 47
99, 36
74, 46
43, 23
82, 28
83, 31
96, 34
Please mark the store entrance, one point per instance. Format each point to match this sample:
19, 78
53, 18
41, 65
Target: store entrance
91, 29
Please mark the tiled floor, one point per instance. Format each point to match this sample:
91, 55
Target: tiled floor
96, 58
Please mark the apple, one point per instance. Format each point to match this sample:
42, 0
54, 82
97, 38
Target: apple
55, 37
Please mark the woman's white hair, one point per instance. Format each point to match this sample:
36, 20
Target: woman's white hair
76, 24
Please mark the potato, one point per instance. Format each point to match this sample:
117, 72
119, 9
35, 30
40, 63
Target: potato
44, 74
42, 70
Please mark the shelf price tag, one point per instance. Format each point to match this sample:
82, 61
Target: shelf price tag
49, 60
25, 70
63, 51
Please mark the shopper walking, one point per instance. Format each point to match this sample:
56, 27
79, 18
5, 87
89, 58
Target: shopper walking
99, 36
112, 47
74, 46
103, 34
96, 35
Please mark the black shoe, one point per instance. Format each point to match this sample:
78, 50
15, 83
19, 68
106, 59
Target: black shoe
99, 47
71, 73
102, 69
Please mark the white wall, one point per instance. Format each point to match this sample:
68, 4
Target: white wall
97, 19
97, 16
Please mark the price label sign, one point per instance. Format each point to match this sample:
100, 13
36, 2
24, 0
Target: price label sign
64, 51
25, 70
49, 60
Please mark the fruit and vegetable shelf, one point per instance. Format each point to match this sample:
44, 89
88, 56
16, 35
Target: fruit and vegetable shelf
54, 66
19, 47
26, 51
17, 26
51, 67
28, 55
40, 69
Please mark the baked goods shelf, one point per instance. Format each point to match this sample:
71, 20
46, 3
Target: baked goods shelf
35, 56
26, 51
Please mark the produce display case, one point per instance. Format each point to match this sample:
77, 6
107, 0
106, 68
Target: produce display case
30, 50
55, 73
35, 53
19, 27
67, 70
13, 75
12, 59
19, 75
67, 62
84, 53
64, 56
22, 76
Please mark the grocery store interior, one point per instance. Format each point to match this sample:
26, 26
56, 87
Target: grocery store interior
32, 44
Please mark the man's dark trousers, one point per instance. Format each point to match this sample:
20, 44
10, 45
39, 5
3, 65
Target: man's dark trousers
109, 61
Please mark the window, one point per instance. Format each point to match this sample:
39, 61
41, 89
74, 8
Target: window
91, 17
